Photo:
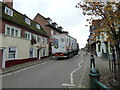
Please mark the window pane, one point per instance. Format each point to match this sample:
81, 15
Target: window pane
44, 52
7, 10
12, 32
8, 31
31, 53
25, 35
27, 21
16, 33
38, 26
12, 53
28, 36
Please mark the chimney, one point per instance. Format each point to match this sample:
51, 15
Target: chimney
9, 3
60, 28
55, 25
65, 32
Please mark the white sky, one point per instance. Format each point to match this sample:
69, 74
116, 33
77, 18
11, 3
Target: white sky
63, 12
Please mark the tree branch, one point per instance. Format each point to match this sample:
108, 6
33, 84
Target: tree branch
112, 29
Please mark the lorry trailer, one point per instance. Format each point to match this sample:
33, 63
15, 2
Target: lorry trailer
64, 46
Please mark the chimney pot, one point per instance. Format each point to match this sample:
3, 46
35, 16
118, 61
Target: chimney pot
9, 3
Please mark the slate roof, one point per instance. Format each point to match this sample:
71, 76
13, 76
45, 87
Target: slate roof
19, 19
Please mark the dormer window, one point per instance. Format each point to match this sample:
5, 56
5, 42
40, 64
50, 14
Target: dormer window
49, 21
8, 11
27, 21
37, 26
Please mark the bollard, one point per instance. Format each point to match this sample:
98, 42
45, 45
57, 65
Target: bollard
94, 75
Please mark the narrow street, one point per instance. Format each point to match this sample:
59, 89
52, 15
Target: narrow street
51, 74
34, 35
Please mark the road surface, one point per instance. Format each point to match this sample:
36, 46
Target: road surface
51, 74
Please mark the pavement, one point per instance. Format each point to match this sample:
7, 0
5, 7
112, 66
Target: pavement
101, 65
24, 65
106, 76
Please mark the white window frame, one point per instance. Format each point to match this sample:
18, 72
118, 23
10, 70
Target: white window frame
34, 36
40, 39
28, 35
45, 40
10, 31
38, 26
27, 21
15, 53
31, 49
7, 31
8, 11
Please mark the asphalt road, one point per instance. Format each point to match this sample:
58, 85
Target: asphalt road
51, 74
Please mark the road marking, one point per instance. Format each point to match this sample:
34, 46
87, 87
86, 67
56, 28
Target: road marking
14, 72
68, 85
71, 76
75, 71
83, 75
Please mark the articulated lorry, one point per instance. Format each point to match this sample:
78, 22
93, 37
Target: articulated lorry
64, 46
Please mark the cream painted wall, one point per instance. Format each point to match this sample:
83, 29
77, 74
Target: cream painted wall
0, 40
22, 45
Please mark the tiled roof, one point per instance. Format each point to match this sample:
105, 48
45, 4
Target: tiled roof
19, 19
50, 25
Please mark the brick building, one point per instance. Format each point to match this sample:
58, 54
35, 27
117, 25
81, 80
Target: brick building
22, 39
50, 27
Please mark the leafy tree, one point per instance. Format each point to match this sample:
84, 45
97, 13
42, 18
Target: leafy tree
109, 14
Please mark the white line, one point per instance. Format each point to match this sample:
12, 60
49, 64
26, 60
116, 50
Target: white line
68, 85
71, 76
83, 74
7, 74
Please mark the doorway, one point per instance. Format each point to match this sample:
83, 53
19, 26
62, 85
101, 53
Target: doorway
38, 54
2, 57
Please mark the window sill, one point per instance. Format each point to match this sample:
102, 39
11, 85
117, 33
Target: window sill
12, 59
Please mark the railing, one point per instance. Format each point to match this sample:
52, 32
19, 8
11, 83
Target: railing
94, 77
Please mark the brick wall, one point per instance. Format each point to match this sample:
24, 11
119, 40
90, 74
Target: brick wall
9, 3
41, 20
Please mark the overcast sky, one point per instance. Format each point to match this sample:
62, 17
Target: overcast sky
63, 12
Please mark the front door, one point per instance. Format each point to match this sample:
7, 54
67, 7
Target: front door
38, 54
